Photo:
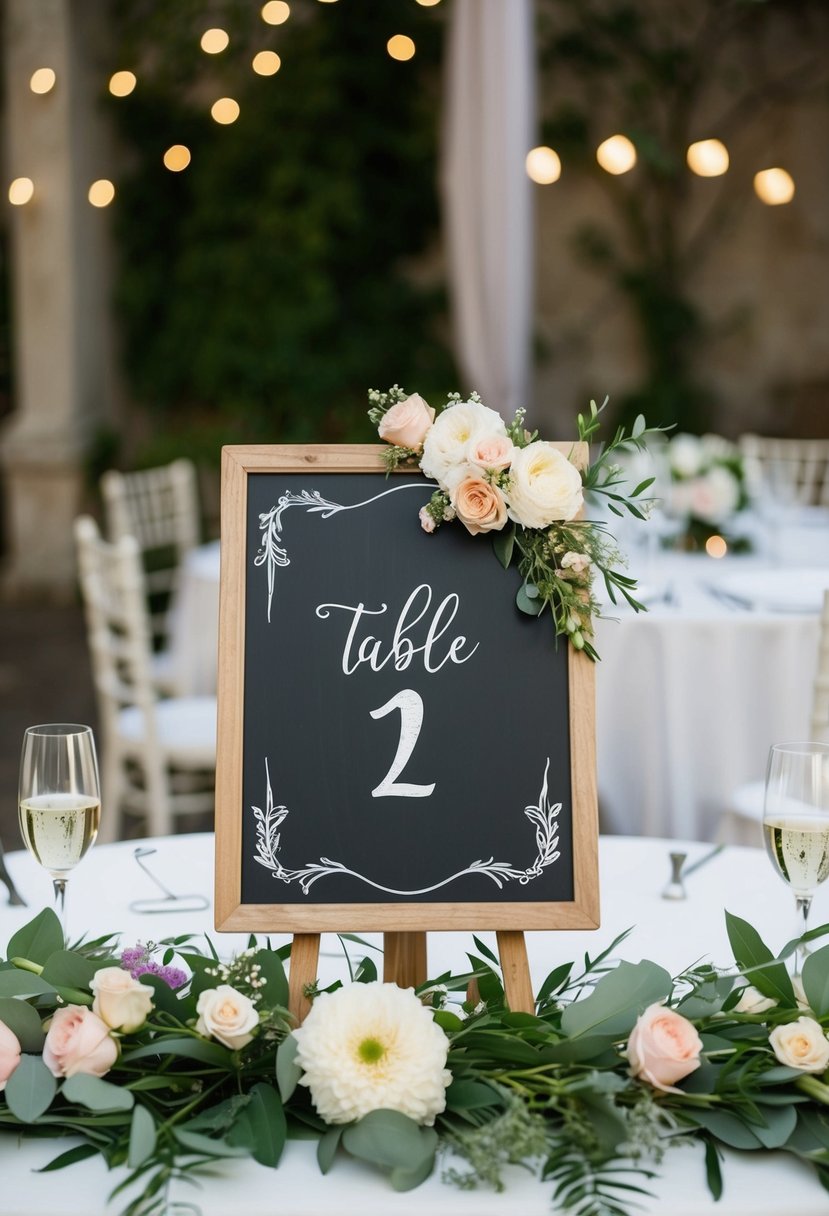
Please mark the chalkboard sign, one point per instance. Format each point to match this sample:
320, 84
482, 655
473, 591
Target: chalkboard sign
399, 747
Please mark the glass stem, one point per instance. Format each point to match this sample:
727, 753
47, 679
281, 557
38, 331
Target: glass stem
802, 903
60, 902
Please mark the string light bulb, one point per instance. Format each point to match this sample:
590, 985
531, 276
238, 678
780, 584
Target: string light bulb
774, 186
543, 166
266, 63
214, 41
21, 191
42, 80
101, 193
401, 47
177, 158
707, 158
616, 155
121, 84
224, 111
276, 12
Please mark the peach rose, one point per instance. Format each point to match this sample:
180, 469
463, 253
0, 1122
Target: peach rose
227, 1015
78, 1041
9, 1054
801, 1044
479, 506
122, 1002
407, 422
491, 452
663, 1048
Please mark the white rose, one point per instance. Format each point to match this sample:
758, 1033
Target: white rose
227, 1015
714, 496
752, 1001
544, 486
449, 439
120, 1001
686, 455
801, 1044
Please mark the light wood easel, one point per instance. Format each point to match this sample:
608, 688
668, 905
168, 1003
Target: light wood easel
404, 963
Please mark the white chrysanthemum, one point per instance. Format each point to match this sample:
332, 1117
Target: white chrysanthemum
373, 1047
448, 440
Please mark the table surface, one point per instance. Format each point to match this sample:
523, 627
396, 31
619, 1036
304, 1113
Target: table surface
633, 873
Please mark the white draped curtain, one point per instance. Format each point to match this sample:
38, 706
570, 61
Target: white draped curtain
489, 128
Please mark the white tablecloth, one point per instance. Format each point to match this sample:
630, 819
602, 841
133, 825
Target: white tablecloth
633, 872
690, 695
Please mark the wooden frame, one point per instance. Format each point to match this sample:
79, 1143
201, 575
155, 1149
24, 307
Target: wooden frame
582, 912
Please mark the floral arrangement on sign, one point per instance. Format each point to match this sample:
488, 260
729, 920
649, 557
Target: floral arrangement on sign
708, 488
498, 477
164, 1070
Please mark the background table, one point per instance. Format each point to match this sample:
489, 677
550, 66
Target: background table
633, 872
689, 696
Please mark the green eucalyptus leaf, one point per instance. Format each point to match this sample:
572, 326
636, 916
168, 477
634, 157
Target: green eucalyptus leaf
288, 1071
472, 1095
526, 604
275, 991
142, 1137
190, 1048
38, 939
24, 1022
405, 1178
815, 981
725, 1127
503, 543
96, 1094
390, 1139
617, 1000
30, 1089
65, 969
778, 1124
16, 982
261, 1125
327, 1148
197, 1143
767, 973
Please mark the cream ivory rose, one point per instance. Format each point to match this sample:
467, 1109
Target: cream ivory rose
479, 506
801, 1044
448, 442
227, 1015
78, 1041
9, 1054
544, 486
407, 422
121, 1001
663, 1048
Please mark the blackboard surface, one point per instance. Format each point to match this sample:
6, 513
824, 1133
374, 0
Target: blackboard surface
405, 731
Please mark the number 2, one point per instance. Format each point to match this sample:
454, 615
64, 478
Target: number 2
410, 705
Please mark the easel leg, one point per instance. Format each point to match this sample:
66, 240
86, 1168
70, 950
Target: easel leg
512, 950
404, 959
305, 952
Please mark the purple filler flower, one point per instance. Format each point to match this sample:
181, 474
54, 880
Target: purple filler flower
138, 962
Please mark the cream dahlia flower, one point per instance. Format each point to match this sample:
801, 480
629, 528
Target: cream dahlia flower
372, 1047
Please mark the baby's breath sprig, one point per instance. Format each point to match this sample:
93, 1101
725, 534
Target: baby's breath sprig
380, 403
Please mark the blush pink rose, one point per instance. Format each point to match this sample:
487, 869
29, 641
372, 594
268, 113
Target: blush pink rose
9, 1054
491, 452
407, 422
427, 521
479, 506
663, 1048
78, 1041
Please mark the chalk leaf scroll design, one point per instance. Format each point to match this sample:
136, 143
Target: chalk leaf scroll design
272, 552
544, 815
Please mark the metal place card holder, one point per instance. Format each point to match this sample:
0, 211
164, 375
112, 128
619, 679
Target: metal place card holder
168, 902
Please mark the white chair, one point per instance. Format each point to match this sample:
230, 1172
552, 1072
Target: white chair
794, 471
159, 756
160, 508
742, 819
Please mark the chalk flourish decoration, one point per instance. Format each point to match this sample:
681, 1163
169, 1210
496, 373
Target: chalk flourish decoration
268, 837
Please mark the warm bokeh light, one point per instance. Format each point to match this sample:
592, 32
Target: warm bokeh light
214, 41
42, 81
121, 84
177, 158
616, 155
225, 111
266, 63
715, 546
21, 191
276, 12
101, 193
707, 158
774, 186
400, 46
543, 166
428, 3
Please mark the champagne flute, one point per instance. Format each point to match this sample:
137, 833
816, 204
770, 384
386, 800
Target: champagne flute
796, 822
59, 799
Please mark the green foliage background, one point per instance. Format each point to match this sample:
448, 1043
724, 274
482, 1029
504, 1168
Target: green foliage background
266, 287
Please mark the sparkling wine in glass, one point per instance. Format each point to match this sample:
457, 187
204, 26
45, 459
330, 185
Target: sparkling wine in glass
59, 799
796, 822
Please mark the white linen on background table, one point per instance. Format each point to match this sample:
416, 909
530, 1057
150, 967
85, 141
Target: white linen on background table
633, 872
